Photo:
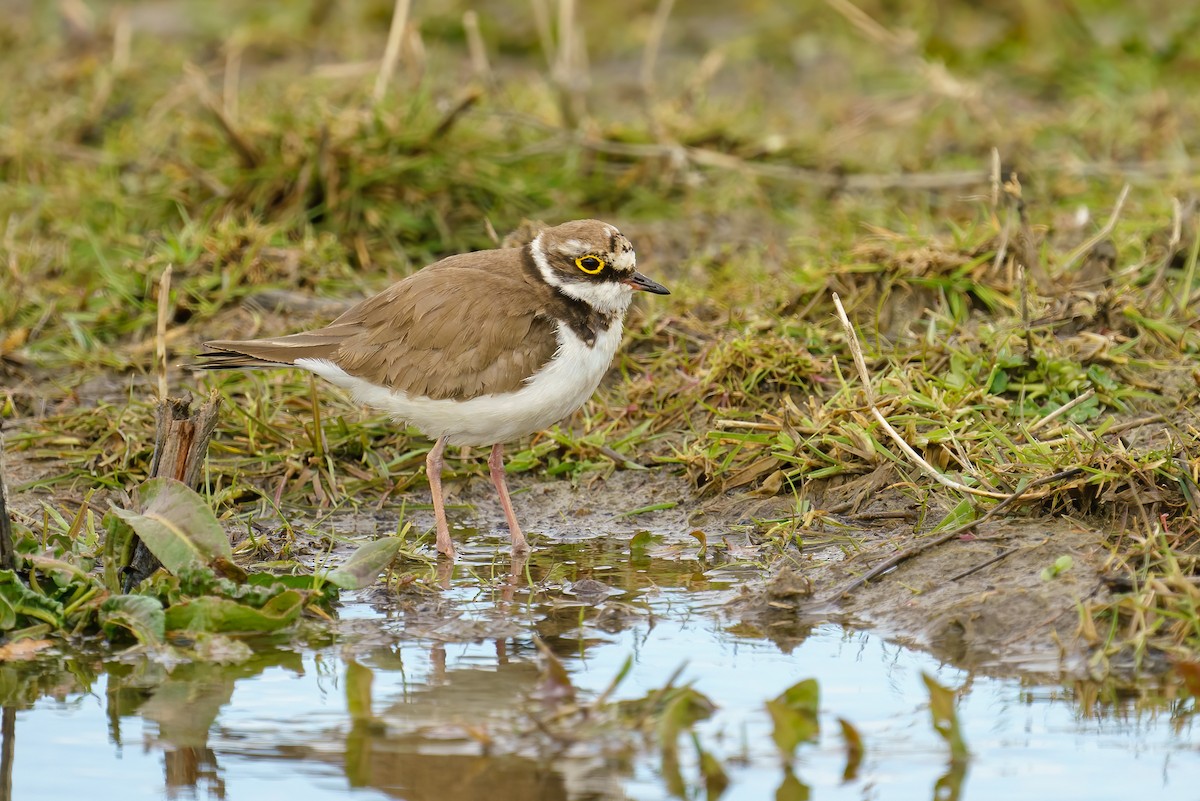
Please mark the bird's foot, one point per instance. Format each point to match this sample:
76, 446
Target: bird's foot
445, 545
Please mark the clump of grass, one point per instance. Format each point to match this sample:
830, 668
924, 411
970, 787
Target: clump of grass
1155, 605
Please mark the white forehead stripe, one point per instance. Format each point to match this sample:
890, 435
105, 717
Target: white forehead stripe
539, 258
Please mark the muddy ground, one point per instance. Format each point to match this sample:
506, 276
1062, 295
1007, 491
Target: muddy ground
980, 602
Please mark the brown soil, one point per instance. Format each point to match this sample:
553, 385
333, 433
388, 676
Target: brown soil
998, 617
1002, 617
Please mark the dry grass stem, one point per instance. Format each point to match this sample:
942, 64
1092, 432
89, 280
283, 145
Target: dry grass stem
658, 28
1106, 231
250, 157
391, 52
925, 467
160, 333
230, 91
1061, 410
476, 47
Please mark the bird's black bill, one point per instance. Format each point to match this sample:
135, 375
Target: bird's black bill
639, 281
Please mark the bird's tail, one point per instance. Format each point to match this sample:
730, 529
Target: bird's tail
225, 354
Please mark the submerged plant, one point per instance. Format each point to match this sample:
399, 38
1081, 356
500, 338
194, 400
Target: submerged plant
199, 588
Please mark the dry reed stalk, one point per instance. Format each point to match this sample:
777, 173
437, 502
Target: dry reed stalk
476, 48
391, 52
160, 331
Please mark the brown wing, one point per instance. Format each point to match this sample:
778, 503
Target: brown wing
461, 328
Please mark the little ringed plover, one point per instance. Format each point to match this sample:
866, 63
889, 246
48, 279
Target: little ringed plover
476, 349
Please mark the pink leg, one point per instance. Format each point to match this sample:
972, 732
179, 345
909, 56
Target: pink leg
433, 469
496, 463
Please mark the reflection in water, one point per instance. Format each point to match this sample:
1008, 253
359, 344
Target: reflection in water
7, 731
440, 694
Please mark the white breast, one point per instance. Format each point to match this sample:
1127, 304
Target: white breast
553, 392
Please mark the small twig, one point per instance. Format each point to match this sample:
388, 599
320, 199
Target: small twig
861, 365
783, 172
658, 28
6, 538
391, 53
953, 533
982, 565
620, 458
1026, 316
541, 21
246, 152
751, 424
476, 47
464, 104
1060, 411
568, 72
1131, 424
903, 46
160, 333
564, 65
1172, 244
232, 78
1002, 246
1184, 299
995, 178
181, 439
122, 40
1012, 192
895, 514
869, 27
1081, 251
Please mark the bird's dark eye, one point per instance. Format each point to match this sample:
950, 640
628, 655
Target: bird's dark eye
590, 264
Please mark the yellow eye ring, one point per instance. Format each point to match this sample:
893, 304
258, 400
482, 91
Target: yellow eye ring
590, 264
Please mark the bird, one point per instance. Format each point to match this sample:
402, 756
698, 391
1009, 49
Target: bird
476, 349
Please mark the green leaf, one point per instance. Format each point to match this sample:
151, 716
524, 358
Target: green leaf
365, 564
854, 749
19, 603
318, 589
639, 543
218, 649
794, 717
359, 679
701, 538
211, 613
945, 718
1061, 565
554, 683
137, 615
716, 780
118, 549
63, 572
963, 513
792, 789
684, 708
177, 525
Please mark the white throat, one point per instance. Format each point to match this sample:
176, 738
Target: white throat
607, 297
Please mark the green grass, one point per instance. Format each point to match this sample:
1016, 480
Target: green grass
787, 154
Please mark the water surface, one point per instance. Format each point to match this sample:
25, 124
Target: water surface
440, 693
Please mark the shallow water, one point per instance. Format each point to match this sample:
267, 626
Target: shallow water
439, 695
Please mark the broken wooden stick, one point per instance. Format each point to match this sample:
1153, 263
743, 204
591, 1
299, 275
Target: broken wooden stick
181, 440
6, 538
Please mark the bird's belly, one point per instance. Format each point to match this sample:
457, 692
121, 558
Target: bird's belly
555, 391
